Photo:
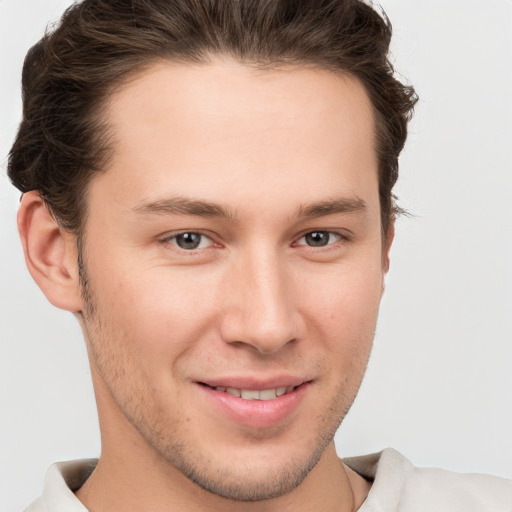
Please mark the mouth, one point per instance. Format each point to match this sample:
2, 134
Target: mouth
254, 394
256, 404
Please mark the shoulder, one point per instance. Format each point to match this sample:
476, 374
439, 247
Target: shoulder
464, 492
399, 486
37, 506
62, 479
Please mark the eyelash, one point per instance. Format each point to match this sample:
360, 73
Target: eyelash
173, 240
340, 239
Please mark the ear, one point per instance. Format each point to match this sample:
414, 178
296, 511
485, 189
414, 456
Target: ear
390, 235
50, 253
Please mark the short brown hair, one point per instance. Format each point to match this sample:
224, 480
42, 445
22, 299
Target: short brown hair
71, 71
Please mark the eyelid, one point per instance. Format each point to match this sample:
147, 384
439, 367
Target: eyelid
342, 236
168, 238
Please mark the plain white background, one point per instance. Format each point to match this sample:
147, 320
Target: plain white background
439, 383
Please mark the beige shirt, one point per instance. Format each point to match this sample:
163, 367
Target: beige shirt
398, 486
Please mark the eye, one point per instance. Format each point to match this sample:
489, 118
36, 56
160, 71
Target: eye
319, 238
190, 240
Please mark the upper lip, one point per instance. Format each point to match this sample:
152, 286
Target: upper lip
254, 383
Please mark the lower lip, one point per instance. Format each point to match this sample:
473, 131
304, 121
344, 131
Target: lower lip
257, 413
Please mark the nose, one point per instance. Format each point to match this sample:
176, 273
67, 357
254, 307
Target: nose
259, 309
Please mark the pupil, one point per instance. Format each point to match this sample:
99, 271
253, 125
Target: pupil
188, 240
317, 238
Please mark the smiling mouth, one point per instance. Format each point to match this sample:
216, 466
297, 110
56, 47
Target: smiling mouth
254, 394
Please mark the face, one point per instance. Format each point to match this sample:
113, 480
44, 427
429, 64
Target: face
234, 264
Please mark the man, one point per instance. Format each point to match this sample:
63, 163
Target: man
208, 189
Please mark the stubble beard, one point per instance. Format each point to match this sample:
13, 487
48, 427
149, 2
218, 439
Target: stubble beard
239, 483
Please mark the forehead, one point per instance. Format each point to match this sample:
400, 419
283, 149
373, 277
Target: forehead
205, 130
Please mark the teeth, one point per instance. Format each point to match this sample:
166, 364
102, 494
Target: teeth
233, 391
280, 391
253, 394
250, 395
268, 394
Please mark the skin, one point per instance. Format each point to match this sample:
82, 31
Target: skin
279, 154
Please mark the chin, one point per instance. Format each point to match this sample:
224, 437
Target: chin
249, 481
249, 469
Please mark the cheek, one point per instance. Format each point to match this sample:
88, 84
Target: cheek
156, 309
344, 308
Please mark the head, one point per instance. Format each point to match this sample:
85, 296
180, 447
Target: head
217, 180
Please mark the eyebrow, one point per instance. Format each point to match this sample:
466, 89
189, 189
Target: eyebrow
331, 207
184, 206
200, 208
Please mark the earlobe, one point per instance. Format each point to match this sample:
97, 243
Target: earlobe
50, 253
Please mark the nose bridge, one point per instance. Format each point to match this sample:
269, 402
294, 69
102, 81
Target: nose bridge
262, 310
